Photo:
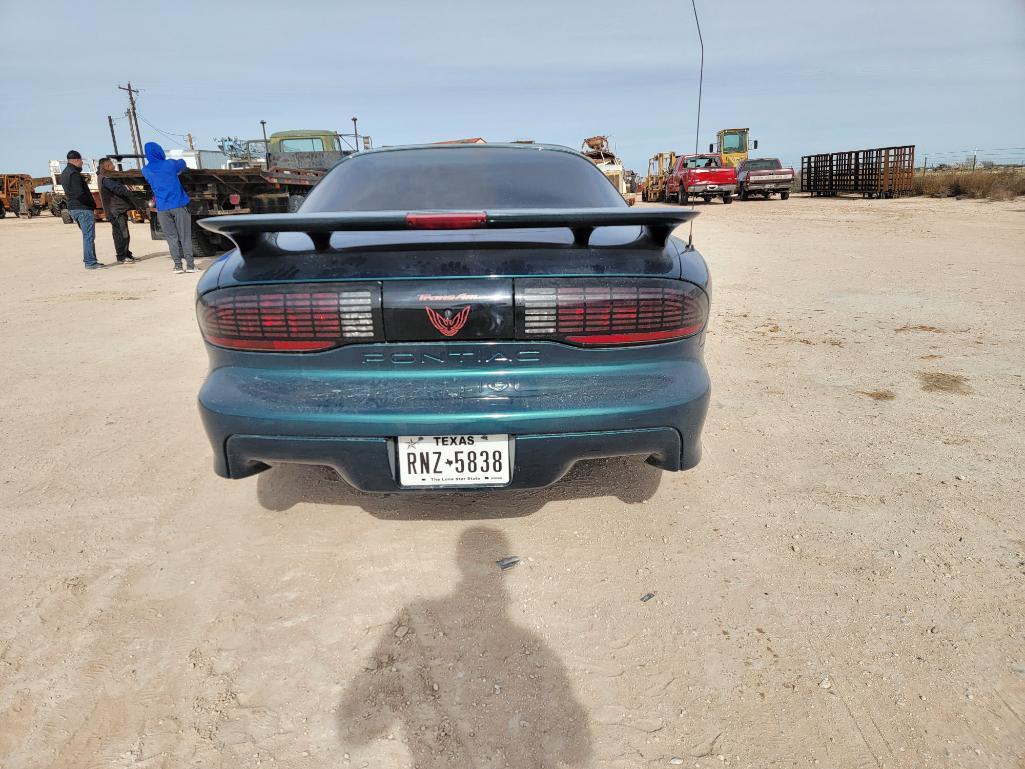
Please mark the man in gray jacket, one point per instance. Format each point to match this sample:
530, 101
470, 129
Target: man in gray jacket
81, 206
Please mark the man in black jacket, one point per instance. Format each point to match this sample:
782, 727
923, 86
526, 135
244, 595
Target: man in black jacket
117, 201
80, 207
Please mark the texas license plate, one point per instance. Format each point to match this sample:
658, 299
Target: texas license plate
454, 460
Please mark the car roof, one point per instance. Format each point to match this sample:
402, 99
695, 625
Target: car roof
534, 146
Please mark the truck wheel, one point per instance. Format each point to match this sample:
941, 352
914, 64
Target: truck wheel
727, 198
784, 195
3, 211
66, 217
202, 244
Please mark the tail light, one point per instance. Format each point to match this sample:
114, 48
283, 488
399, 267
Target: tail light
300, 318
589, 312
234, 198
609, 312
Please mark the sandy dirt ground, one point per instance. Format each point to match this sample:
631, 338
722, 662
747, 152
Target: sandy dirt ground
840, 583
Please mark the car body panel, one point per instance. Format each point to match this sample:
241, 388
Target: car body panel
522, 389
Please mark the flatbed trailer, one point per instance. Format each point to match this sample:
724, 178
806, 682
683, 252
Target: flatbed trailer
228, 192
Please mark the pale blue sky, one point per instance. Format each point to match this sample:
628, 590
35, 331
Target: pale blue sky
804, 76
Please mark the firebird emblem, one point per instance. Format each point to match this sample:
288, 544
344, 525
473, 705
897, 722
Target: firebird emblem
446, 322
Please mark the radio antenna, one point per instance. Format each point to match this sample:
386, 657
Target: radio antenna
701, 82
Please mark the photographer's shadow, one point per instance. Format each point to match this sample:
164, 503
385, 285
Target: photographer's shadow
630, 479
466, 686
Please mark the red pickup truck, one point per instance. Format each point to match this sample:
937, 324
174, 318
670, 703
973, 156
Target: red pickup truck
700, 176
764, 176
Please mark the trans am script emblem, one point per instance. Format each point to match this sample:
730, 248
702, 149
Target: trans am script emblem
447, 322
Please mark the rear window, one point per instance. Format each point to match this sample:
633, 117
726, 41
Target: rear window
463, 178
701, 162
765, 164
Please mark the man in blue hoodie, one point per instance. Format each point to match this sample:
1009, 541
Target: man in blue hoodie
171, 202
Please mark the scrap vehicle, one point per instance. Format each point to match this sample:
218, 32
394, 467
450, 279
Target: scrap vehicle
598, 151
417, 326
17, 195
58, 204
732, 144
295, 163
703, 176
655, 182
764, 176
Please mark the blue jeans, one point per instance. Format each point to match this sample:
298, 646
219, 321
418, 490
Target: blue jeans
87, 224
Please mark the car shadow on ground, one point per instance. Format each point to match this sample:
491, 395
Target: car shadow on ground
630, 479
464, 684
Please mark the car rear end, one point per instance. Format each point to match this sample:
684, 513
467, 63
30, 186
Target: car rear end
766, 177
411, 348
705, 176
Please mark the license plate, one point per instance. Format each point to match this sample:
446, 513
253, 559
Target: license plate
454, 460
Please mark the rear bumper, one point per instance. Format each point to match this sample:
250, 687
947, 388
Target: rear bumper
775, 185
368, 464
347, 417
711, 189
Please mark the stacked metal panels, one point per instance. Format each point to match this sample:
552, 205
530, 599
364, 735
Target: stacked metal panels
885, 172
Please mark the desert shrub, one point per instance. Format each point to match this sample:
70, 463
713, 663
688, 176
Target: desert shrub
992, 184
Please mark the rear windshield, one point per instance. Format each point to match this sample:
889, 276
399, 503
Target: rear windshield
765, 164
463, 178
701, 162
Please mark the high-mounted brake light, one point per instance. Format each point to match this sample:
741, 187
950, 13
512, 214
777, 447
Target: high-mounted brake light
292, 318
446, 221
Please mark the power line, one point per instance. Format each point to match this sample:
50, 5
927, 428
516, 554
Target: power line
170, 136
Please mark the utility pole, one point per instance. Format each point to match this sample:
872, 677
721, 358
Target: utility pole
355, 134
133, 119
188, 138
113, 139
266, 146
975, 154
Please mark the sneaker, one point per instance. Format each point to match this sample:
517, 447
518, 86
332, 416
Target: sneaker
178, 269
190, 269
131, 259
95, 266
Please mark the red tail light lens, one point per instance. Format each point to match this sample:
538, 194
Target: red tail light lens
446, 221
299, 318
609, 312
234, 198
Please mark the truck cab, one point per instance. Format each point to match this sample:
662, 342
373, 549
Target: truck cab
703, 176
305, 148
733, 145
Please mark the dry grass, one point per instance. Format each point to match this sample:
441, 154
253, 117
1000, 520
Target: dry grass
937, 381
995, 184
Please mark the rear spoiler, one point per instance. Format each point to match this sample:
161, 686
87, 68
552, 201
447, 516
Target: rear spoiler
250, 232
